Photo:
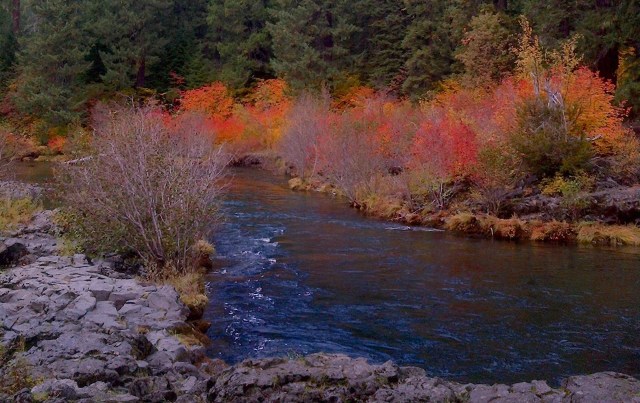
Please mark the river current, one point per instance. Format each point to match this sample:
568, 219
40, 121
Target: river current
300, 273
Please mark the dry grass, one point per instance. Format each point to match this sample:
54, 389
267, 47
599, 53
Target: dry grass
512, 228
191, 337
613, 235
14, 212
382, 207
486, 225
554, 231
191, 288
464, 223
15, 371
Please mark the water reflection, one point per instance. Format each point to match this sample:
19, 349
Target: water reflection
301, 273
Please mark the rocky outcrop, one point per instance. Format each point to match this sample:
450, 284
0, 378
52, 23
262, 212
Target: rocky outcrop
610, 205
19, 190
86, 332
338, 378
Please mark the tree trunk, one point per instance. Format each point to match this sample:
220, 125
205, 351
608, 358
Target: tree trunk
15, 18
141, 72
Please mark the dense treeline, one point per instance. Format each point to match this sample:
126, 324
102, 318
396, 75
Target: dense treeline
57, 57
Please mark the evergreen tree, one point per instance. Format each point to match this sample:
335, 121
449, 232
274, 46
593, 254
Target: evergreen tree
311, 42
7, 44
628, 15
133, 34
198, 71
486, 48
187, 29
378, 43
52, 62
240, 40
594, 21
436, 29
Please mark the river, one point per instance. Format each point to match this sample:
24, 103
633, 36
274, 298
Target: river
300, 273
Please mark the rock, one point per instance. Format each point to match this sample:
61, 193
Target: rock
80, 260
120, 298
602, 387
19, 190
87, 332
65, 389
80, 307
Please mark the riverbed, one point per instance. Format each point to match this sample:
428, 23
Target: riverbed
300, 273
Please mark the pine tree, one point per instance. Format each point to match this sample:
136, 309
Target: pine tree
628, 15
378, 44
240, 40
593, 21
486, 48
133, 33
187, 29
8, 45
52, 62
311, 42
436, 29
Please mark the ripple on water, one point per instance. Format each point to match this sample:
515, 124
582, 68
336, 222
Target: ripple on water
300, 274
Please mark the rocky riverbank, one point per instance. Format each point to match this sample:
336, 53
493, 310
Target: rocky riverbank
76, 330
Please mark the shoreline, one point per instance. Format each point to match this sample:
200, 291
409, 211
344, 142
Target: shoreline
539, 225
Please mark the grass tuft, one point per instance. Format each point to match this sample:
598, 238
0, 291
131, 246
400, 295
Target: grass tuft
15, 370
191, 288
14, 212
554, 231
612, 235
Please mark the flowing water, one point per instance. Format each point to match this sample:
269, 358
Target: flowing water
301, 273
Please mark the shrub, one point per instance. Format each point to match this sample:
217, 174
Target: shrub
625, 159
7, 152
495, 177
572, 190
14, 212
552, 231
151, 188
307, 121
350, 159
612, 235
444, 148
15, 370
548, 141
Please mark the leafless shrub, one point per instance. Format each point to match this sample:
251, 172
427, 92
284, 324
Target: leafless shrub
151, 187
352, 161
308, 120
